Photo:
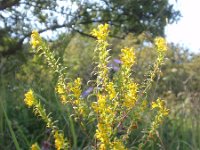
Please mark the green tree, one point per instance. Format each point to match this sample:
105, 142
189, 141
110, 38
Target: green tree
19, 17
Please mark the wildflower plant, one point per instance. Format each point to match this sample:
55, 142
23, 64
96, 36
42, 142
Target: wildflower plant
119, 102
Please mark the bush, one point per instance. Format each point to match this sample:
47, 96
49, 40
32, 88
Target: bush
114, 107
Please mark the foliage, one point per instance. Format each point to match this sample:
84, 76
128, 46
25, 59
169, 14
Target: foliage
19, 17
117, 99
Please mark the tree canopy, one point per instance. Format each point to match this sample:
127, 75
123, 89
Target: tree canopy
19, 17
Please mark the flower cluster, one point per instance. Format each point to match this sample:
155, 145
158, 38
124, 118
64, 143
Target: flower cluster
127, 57
118, 145
162, 112
61, 90
161, 47
60, 142
101, 33
130, 97
161, 44
78, 102
111, 90
29, 98
36, 40
160, 104
106, 115
127, 87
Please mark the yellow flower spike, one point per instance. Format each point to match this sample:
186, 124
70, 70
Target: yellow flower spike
60, 89
101, 33
162, 111
160, 44
35, 39
29, 98
127, 57
61, 92
76, 89
59, 141
101, 101
131, 95
111, 90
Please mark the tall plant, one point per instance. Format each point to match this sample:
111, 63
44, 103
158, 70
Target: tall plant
119, 102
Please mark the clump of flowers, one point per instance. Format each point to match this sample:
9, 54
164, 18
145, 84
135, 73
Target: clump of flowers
29, 98
127, 57
36, 40
35, 147
101, 33
60, 142
160, 44
61, 90
119, 101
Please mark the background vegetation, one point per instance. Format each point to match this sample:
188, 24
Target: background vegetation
134, 23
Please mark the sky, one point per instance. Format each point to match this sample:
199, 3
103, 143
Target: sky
186, 31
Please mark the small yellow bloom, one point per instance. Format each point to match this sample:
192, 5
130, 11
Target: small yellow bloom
127, 57
35, 39
160, 104
131, 95
118, 145
76, 88
61, 91
102, 147
165, 111
59, 140
29, 98
154, 105
102, 101
102, 32
160, 44
111, 90
35, 147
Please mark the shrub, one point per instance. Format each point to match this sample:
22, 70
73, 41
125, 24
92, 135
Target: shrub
116, 105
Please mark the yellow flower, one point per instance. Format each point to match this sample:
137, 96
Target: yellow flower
35, 147
111, 90
160, 104
102, 32
59, 140
118, 145
131, 95
102, 147
160, 44
127, 57
61, 91
76, 89
35, 39
101, 102
29, 98
165, 111
154, 105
